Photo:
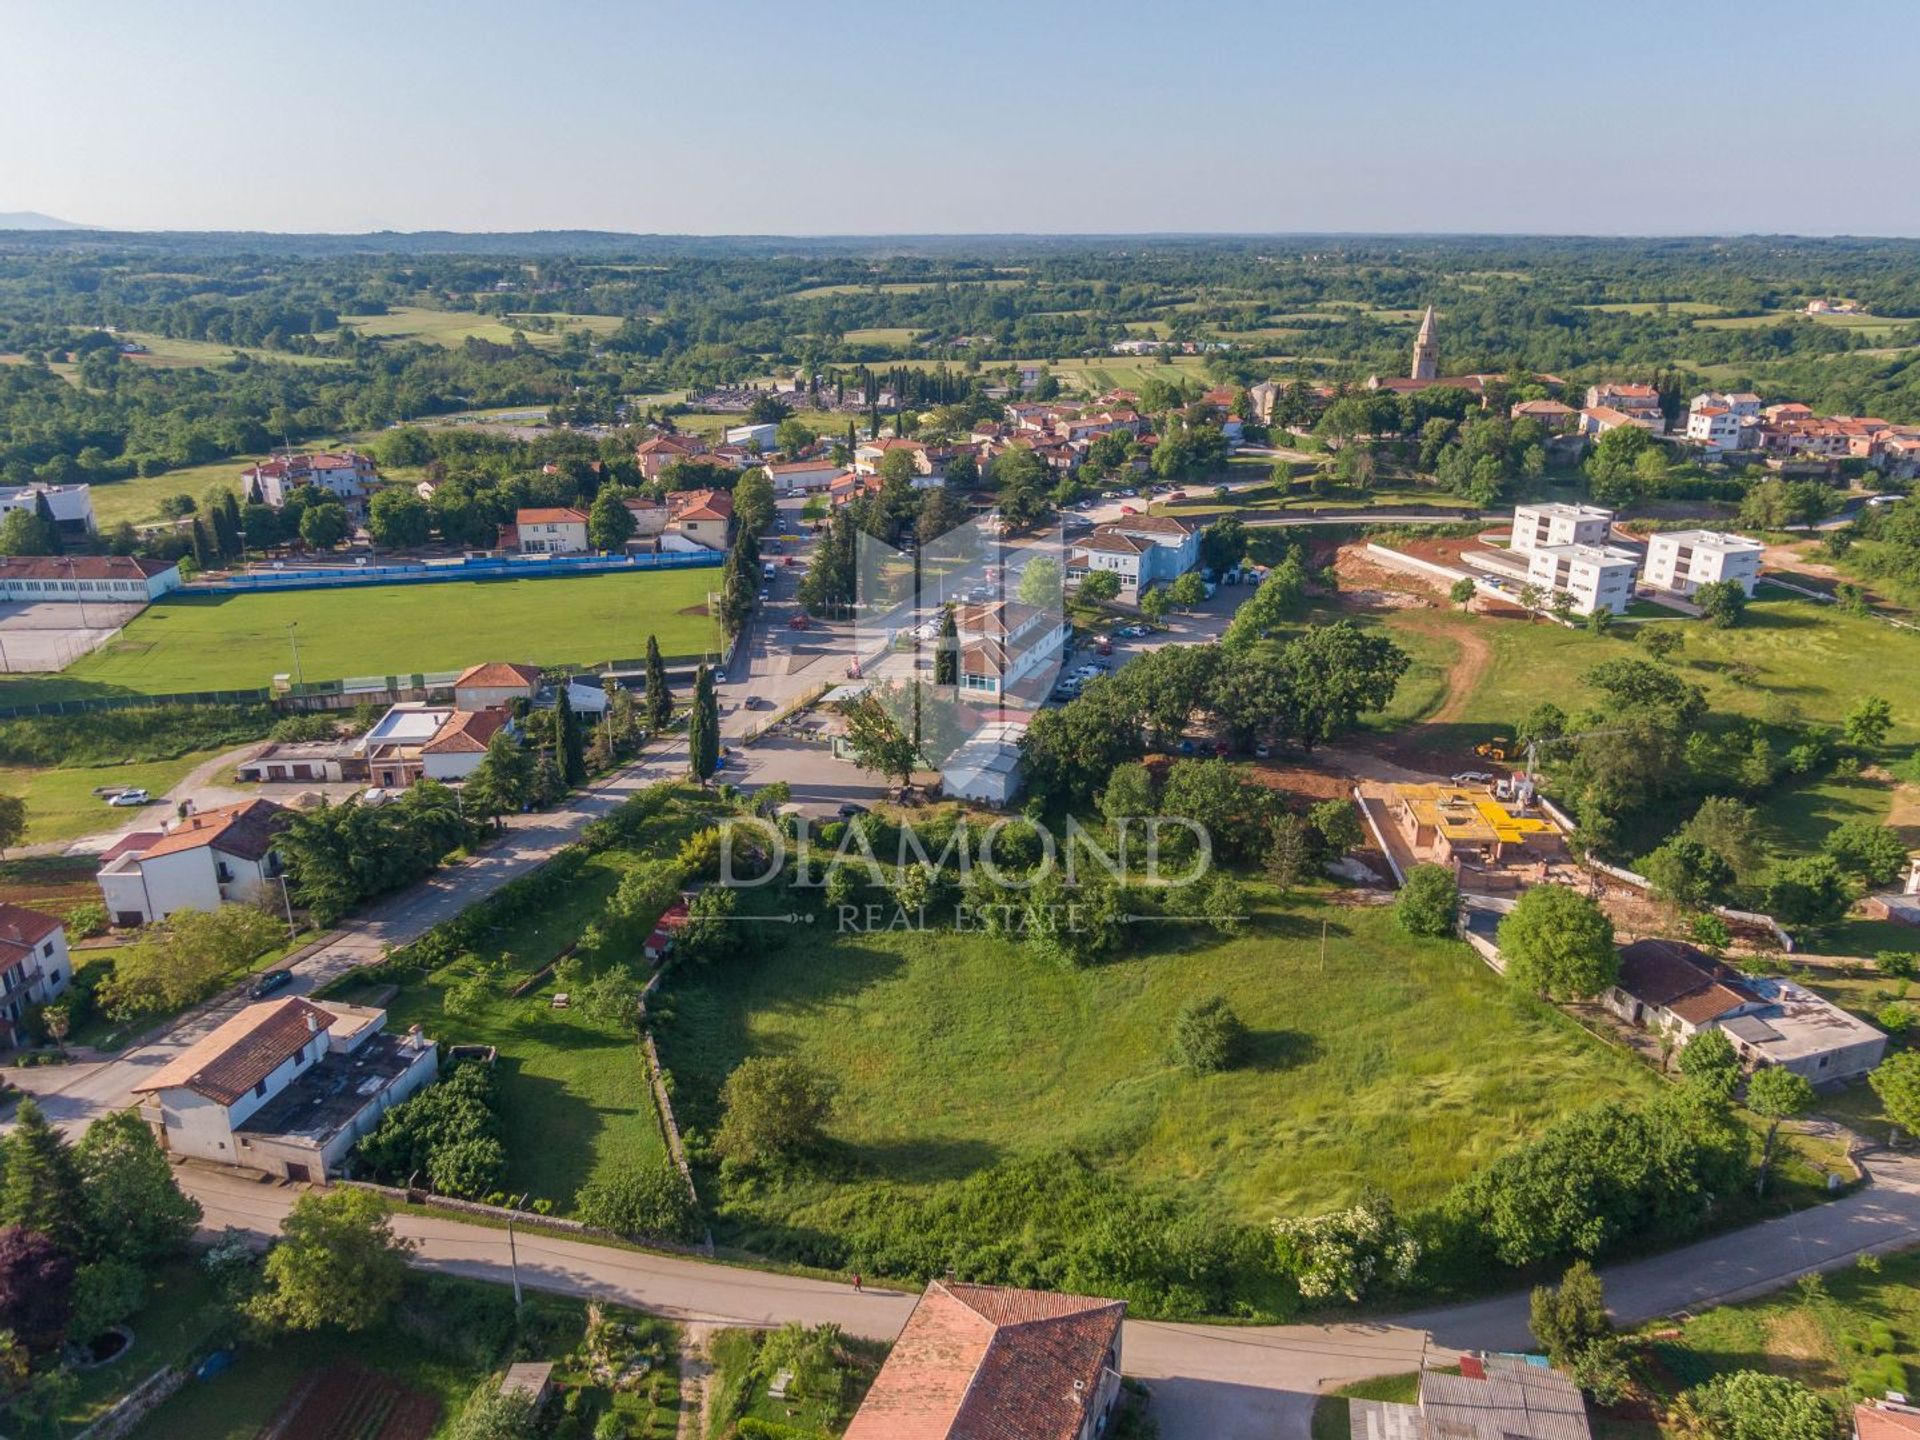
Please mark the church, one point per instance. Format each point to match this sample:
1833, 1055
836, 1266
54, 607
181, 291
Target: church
1425, 374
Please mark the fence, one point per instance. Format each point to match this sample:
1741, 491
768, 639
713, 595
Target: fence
525, 1218
538, 567
136, 1405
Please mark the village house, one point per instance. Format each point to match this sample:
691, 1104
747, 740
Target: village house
1550, 413
292, 761
1494, 1397
1681, 561
870, 455
656, 452
347, 476
698, 520
494, 685
71, 506
1668, 986
551, 531
84, 579
975, 1361
802, 477
850, 485
1888, 1419
1632, 402
416, 741
34, 965
213, 858
285, 1087
1719, 423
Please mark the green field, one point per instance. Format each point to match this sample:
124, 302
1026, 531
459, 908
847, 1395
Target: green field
1399, 1063
138, 499
574, 1095
239, 642
166, 353
455, 327
61, 804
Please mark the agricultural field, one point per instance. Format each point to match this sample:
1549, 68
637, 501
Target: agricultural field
166, 353
239, 642
62, 805
1391, 1062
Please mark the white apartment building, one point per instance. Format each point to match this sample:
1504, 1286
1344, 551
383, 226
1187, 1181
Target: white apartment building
1537, 527
552, 531
1594, 577
285, 1086
1681, 561
1724, 422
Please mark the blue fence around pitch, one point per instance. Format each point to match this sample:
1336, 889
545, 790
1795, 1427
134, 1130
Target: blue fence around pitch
540, 567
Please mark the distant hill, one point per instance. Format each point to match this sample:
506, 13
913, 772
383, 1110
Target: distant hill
34, 220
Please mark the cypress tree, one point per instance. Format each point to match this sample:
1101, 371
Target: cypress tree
946, 661
203, 555
56, 543
703, 729
568, 741
659, 698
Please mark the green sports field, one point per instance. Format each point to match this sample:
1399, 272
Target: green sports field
240, 642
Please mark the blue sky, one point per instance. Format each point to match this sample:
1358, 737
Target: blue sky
1049, 115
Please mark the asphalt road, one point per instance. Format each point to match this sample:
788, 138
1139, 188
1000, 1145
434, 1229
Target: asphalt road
1208, 1382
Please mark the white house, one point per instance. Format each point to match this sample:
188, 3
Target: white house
495, 684
1536, 527
285, 1087
698, 519
1665, 985
1681, 561
34, 965
213, 858
763, 439
870, 455
551, 531
1594, 577
86, 579
1142, 550
1003, 642
802, 477
70, 505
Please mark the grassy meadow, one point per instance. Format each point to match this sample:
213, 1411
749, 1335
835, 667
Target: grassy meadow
1399, 1063
61, 804
236, 642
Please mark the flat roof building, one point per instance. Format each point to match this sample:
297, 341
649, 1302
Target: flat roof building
1593, 577
1558, 523
1681, 561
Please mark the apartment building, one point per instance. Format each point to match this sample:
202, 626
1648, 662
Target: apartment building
1681, 561
1537, 527
1594, 577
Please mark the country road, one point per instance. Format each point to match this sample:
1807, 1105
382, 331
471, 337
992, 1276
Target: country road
1208, 1382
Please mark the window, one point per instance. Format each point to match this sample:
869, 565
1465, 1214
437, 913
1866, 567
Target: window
261, 1088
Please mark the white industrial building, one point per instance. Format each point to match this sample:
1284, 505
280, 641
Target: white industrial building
1681, 561
1536, 527
1594, 577
986, 769
70, 505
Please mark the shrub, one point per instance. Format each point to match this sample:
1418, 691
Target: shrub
1207, 1035
1750, 1405
1428, 902
450, 1132
642, 1201
772, 1107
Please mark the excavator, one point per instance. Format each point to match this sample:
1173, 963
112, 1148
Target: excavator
1500, 748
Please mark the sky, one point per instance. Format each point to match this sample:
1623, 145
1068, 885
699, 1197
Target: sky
817, 117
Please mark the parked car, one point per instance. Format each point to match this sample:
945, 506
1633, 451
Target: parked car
1128, 510
130, 797
1262, 750
1104, 645
849, 810
798, 622
269, 982
765, 595
1177, 495
1472, 777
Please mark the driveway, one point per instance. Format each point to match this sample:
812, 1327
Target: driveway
1208, 1382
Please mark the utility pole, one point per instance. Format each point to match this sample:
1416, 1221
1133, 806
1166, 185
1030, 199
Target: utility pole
294, 641
513, 1257
1323, 944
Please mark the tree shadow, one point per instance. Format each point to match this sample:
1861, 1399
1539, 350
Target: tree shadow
916, 1160
1274, 1050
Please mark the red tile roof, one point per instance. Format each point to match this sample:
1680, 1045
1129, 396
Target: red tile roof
224, 1065
81, 567
497, 675
980, 1363
465, 732
21, 926
1872, 1422
1682, 980
245, 830
549, 516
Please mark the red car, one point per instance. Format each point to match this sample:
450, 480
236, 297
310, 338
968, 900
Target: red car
1128, 510
1178, 495
793, 560
1105, 647
798, 622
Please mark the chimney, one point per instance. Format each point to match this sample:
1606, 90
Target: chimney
312, 1024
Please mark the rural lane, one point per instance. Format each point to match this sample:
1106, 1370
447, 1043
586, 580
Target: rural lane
1208, 1382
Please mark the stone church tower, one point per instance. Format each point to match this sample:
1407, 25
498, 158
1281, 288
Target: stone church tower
1426, 350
